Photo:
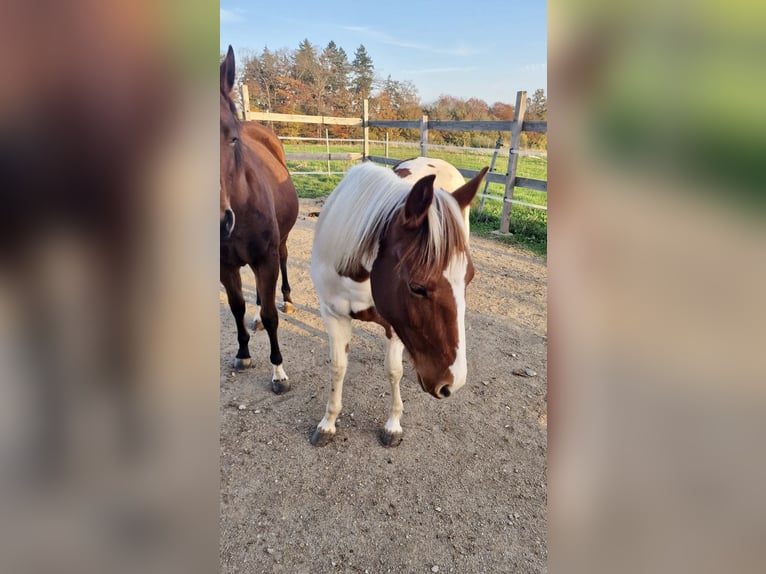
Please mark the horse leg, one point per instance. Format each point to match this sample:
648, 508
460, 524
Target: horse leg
232, 282
288, 306
266, 286
392, 432
339, 330
257, 325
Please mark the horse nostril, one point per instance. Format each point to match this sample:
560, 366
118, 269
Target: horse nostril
444, 391
227, 224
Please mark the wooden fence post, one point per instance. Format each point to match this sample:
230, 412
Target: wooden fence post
498, 145
424, 136
386, 143
366, 129
513, 160
245, 102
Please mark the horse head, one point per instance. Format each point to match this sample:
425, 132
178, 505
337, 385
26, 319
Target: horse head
230, 146
419, 281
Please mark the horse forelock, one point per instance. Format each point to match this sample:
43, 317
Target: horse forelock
440, 238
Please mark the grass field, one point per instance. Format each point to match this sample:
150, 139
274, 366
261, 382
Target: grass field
529, 226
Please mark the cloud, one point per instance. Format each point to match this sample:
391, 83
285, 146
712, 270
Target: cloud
228, 16
533, 67
393, 41
439, 70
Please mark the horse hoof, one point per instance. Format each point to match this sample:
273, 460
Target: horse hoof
280, 387
287, 307
242, 363
257, 325
320, 438
390, 439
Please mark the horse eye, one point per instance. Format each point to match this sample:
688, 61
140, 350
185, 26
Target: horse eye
418, 290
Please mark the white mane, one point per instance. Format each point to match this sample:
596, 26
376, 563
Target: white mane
355, 216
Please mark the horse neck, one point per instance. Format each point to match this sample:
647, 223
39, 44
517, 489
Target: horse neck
250, 192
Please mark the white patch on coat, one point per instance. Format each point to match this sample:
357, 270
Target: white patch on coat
448, 178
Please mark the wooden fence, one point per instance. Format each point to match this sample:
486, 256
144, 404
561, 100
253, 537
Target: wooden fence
509, 180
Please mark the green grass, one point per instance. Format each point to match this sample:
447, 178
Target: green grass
529, 226
313, 186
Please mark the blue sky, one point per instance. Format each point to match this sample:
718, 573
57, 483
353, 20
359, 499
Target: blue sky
484, 49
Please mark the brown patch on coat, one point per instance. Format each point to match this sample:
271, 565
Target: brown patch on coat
371, 315
356, 273
402, 172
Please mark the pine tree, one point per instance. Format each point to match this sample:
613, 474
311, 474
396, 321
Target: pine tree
337, 67
362, 75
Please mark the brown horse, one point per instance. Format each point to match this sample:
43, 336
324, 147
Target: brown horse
395, 254
259, 207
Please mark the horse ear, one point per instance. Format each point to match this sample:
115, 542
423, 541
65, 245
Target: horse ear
464, 194
418, 201
227, 72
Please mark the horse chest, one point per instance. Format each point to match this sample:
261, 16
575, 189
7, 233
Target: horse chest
342, 295
232, 254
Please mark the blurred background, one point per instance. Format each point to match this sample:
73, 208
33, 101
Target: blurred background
657, 275
108, 286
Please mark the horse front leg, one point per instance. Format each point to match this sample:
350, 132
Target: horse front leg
232, 282
339, 331
392, 432
266, 286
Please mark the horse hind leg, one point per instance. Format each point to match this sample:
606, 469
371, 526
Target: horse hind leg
288, 306
339, 330
392, 432
257, 325
266, 287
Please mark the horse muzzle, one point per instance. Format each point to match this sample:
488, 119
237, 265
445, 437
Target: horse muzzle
227, 224
440, 390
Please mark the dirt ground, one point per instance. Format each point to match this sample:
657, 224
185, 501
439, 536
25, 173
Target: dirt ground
464, 492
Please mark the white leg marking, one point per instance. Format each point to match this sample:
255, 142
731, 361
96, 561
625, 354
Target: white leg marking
279, 374
339, 330
394, 369
455, 274
256, 318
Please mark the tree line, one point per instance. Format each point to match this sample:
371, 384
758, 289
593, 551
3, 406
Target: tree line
312, 80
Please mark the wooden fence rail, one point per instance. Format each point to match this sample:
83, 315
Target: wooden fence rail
516, 127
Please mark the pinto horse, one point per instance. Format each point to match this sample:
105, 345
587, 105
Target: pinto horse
395, 254
259, 207
448, 177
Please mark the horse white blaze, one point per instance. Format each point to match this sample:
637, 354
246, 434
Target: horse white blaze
455, 273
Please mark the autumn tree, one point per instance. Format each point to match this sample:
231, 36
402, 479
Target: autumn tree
265, 75
537, 109
395, 100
